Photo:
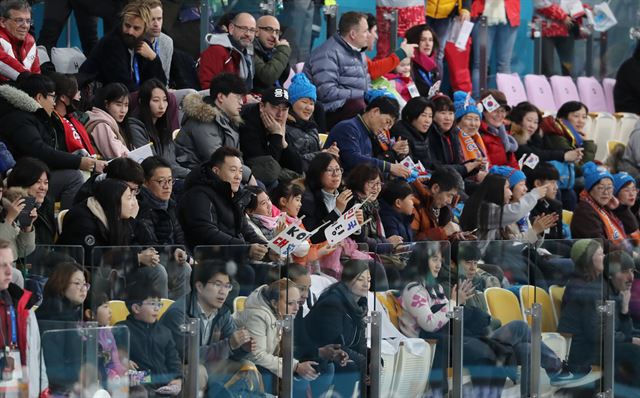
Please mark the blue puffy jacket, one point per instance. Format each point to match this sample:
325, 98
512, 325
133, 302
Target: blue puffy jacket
338, 71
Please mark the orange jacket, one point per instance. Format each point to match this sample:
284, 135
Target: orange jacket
425, 224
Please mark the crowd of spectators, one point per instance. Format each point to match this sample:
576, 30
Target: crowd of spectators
175, 193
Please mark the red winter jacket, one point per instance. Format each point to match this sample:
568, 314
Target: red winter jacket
25, 61
512, 6
552, 17
496, 153
222, 56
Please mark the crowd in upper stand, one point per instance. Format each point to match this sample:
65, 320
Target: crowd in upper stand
389, 144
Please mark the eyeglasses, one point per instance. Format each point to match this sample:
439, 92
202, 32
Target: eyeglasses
82, 285
52, 95
336, 171
246, 29
603, 189
630, 189
270, 30
220, 285
164, 181
21, 21
154, 304
374, 184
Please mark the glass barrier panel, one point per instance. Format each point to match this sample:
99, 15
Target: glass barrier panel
147, 288
254, 308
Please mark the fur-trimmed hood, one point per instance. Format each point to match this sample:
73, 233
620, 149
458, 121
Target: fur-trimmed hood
19, 99
195, 107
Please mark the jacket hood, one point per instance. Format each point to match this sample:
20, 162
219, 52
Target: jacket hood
19, 99
256, 301
96, 209
196, 108
97, 116
223, 39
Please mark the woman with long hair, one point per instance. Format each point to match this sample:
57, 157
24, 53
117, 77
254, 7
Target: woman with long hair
150, 124
415, 121
107, 123
424, 64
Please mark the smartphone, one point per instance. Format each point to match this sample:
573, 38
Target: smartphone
24, 218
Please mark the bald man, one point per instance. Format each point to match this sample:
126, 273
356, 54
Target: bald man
271, 55
230, 52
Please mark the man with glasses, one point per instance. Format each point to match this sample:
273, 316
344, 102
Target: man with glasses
271, 55
219, 338
17, 47
230, 52
157, 224
263, 140
124, 55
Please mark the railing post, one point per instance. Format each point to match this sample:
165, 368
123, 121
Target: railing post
204, 24
608, 313
536, 344
484, 39
457, 317
287, 357
331, 13
376, 353
604, 42
392, 17
588, 67
536, 32
192, 330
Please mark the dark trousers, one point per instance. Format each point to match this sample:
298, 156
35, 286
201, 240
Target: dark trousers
564, 46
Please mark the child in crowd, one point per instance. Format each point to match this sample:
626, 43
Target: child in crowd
396, 209
401, 77
152, 348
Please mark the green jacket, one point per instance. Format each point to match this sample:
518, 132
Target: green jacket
270, 66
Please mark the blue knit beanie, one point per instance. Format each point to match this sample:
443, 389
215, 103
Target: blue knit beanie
301, 87
594, 173
460, 99
372, 94
514, 175
620, 180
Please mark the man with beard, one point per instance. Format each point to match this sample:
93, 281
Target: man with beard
17, 47
123, 55
230, 52
161, 43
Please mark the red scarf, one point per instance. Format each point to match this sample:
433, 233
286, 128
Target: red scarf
75, 135
612, 225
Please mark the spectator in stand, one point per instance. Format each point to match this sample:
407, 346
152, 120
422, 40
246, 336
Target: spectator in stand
433, 201
441, 15
338, 69
442, 140
32, 175
150, 124
151, 343
21, 237
270, 55
593, 218
417, 117
356, 138
64, 118
123, 169
230, 52
503, 20
630, 160
401, 77
626, 93
396, 209
525, 127
468, 120
560, 29
219, 338
131, 59
501, 147
18, 53
626, 191
546, 174
381, 66
108, 123
338, 318
263, 308
211, 122
61, 308
210, 210
157, 223
24, 323
302, 128
161, 43
263, 138
105, 220
425, 67
28, 110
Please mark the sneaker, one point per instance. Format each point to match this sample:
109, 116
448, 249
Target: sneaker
562, 376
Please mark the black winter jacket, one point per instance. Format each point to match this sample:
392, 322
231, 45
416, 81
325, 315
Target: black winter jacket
316, 213
28, 131
443, 151
152, 348
418, 142
210, 215
154, 225
626, 93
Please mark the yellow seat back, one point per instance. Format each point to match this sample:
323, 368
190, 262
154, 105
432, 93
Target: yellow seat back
166, 303
567, 216
238, 303
323, 139
556, 292
528, 298
503, 305
390, 302
119, 311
